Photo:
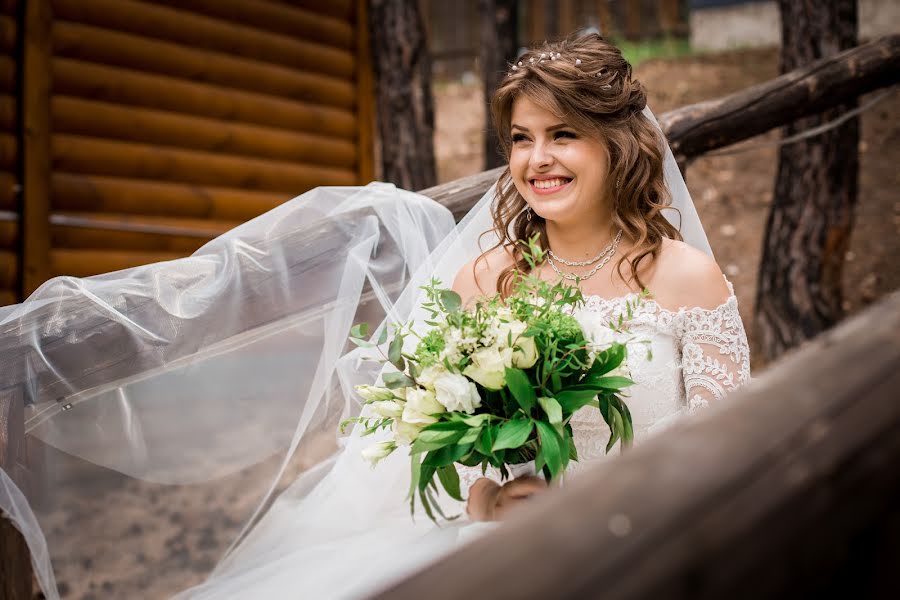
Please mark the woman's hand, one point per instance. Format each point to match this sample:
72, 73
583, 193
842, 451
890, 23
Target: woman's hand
489, 501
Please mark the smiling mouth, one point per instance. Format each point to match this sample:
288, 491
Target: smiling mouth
549, 186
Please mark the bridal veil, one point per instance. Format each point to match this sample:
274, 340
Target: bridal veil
180, 417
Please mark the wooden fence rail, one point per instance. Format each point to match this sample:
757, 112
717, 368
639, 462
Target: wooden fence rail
790, 491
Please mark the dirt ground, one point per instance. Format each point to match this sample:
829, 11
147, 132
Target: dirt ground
732, 193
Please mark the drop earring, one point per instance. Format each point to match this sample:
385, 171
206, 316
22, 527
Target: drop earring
528, 214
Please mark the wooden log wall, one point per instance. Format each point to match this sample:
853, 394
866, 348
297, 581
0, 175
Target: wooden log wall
9, 152
155, 126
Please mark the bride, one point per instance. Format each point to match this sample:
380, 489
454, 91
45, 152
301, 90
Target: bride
221, 361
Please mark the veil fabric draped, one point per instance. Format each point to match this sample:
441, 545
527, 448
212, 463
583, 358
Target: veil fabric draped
180, 417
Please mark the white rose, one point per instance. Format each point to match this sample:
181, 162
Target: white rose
387, 408
510, 330
429, 374
420, 405
596, 329
372, 393
374, 454
456, 392
525, 353
488, 367
406, 433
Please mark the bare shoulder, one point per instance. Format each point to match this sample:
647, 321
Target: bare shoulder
687, 277
479, 277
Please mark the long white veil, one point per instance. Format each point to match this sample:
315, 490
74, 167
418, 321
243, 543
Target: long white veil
180, 418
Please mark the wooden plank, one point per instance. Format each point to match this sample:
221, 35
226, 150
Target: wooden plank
94, 44
78, 154
9, 188
8, 114
15, 561
796, 469
84, 263
277, 18
36, 145
7, 75
112, 84
76, 192
9, 152
9, 269
8, 7
342, 9
104, 119
9, 297
133, 233
365, 98
8, 34
200, 31
9, 231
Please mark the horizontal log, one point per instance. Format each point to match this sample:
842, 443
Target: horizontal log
785, 492
8, 297
9, 270
8, 114
277, 18
84, 263
8, 34
8, 7
460, 195
826, 83
94, 44
9, 152
200, 31
75, 192
9, 231
342, 9
103, 119
121, 86
78, 154
133, 233
7, 75
9, 188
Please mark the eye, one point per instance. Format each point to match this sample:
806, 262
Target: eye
518, 137
564, 134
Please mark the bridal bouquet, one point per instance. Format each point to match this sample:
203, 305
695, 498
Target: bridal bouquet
495, 385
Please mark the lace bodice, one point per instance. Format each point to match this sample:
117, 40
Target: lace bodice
680, 360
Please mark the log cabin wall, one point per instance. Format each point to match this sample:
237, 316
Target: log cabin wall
9, 152
151, 127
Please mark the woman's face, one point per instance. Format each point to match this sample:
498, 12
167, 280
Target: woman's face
561, 173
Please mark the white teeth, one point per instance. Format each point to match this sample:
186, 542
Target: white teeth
548, 183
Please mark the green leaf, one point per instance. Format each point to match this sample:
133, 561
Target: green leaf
550, 444
513, 434
520, 387
539, 461
426, 477
470, 436
434, 440
382, 337
361, 343
613, 382
392, 381
447, 455
608, 360
395, 351
571, 400
552, 408
485, 441
359, 330
627, 425
615, 427
450, 480
451, 300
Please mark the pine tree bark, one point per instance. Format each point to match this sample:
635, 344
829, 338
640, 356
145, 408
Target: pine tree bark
799, 292
404, 103
498, 48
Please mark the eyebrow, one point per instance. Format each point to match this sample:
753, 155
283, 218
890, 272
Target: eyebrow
551, 128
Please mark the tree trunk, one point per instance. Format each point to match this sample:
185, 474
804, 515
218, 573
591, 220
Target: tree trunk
799, 290
405, 107
498, 48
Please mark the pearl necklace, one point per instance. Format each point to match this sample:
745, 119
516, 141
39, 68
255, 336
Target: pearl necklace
584, 263
573, 277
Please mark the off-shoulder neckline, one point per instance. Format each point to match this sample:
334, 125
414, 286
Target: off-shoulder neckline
730, 301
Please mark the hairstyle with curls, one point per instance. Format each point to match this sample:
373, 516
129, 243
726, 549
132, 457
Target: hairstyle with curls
598, 98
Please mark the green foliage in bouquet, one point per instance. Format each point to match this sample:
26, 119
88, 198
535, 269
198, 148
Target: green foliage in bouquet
493, 386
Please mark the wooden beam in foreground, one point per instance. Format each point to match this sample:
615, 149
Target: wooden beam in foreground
790, 491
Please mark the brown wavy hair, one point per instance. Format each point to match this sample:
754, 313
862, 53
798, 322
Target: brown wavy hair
598, 98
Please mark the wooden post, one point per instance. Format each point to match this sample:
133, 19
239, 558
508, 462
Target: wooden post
36, 90
365, 97
604, 18
498, 49
633, 19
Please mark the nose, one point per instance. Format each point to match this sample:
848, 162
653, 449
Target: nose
541, 156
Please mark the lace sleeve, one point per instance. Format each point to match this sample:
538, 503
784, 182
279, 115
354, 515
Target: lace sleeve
715, 353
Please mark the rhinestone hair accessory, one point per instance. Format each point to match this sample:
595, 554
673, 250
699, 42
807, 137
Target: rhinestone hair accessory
554, 56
